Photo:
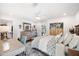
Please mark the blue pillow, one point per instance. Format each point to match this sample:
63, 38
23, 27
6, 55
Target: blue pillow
23, 39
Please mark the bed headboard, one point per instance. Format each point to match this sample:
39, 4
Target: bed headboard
56, 28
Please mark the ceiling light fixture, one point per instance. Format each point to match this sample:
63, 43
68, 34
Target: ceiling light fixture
38, 18
65, 14
35, 4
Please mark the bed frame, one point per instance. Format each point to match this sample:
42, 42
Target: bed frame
41, 51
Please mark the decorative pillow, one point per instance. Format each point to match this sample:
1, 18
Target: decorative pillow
65, 36
57, 37
61, 39
74, 42
67, 39
23, 39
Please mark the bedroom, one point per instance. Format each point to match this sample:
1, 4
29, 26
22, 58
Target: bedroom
40, 29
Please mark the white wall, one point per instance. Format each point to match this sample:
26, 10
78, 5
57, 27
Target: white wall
38, 27
16, 21
77, 18
68, 21
16, 30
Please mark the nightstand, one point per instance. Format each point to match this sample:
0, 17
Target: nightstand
73, 52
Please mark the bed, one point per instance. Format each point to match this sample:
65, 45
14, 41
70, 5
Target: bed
49, 45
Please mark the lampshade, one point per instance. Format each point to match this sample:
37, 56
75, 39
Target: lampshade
5, 29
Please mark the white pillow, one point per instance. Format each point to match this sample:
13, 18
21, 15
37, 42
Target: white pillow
67, 39
61, 39
64, 37
57, 37
74, 42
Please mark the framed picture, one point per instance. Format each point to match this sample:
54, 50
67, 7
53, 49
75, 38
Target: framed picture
56, 28
26, 26
43, 30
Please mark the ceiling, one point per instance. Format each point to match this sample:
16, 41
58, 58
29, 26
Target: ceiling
29, 11
3, 21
